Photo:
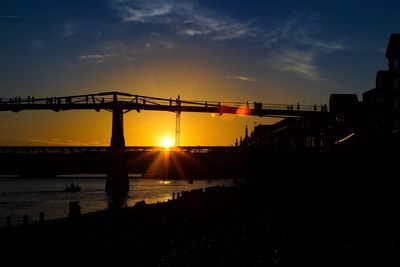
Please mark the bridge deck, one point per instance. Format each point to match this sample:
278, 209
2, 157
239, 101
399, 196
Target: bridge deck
129, 102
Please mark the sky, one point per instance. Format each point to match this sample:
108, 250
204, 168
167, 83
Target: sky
266, 51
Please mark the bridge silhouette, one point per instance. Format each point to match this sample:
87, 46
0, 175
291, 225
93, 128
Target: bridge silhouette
127, 102
120, 103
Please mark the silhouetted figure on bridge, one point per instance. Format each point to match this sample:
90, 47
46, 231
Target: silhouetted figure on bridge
298, 106
315, 107
257, 106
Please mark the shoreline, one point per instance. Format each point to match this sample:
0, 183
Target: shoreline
285, 221
319, 212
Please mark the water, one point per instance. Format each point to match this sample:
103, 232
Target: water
19, 196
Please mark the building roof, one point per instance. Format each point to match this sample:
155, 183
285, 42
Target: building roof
269, 128
393, 48
342, 102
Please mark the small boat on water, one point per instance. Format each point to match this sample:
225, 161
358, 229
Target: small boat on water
72, 188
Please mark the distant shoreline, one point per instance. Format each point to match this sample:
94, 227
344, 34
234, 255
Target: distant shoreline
100, 176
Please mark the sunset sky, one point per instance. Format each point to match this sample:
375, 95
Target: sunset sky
266, 51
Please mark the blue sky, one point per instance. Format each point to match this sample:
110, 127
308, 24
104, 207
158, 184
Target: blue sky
330, 46
269, 51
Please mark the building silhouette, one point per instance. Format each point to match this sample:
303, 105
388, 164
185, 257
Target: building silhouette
382, 103
374, 120
287, 134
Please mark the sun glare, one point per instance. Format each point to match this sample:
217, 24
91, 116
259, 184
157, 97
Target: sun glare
166, 142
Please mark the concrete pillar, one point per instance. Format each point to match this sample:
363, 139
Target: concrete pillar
117, 136
117, 181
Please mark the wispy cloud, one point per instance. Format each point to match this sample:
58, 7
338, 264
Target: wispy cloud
69, 29
126, 50
61, 142
167, 44
38, 44
296, 45
9, 17
295, 61
186, 18
242, 78
95, 58
144, 11
217, 27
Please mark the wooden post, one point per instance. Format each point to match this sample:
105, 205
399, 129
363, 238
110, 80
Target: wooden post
74, 209
26, 220
41, 217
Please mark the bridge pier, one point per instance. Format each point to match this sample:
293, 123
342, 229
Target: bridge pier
117, 181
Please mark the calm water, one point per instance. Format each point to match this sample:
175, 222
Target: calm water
20, 196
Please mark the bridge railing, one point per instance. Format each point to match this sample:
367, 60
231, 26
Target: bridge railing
87, 99
292, 107
146, 101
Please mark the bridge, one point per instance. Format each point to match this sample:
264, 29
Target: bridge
127, 102
120, 103
27, 150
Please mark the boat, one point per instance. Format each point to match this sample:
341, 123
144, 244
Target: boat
72, 188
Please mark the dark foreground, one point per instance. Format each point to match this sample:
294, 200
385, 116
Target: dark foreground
344, 213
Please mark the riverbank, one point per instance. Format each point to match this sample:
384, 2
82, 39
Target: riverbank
20, 197
286, 220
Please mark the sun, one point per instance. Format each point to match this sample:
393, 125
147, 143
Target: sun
166, 142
